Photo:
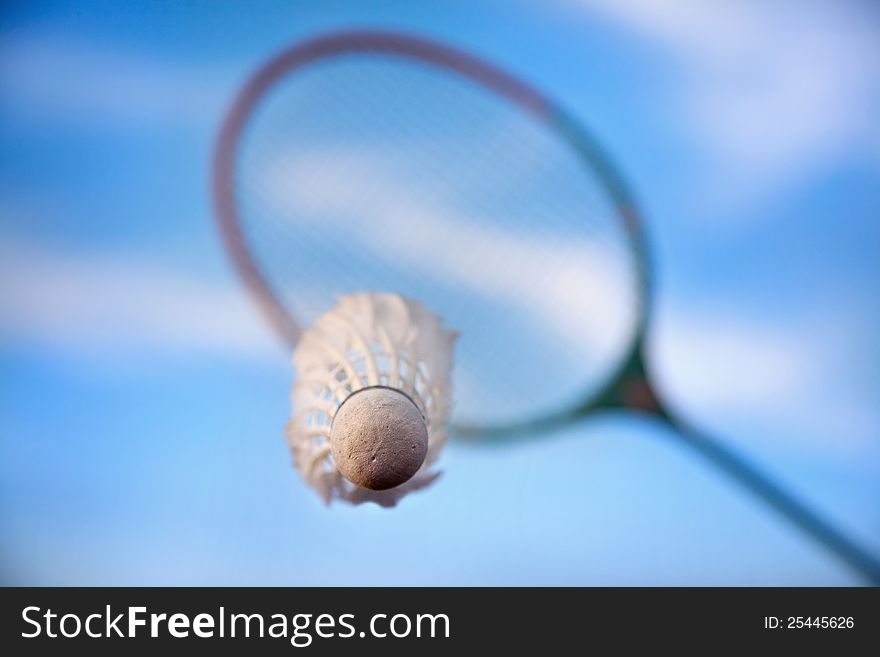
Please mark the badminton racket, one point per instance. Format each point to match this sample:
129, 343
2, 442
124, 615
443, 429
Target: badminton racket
380, 161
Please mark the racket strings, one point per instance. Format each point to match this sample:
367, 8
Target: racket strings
376, 173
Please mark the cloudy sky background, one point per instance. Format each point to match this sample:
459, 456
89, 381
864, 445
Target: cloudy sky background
143, 395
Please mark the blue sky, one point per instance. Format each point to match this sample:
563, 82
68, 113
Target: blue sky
143, 396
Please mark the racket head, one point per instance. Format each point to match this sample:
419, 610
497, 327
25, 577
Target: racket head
377, 160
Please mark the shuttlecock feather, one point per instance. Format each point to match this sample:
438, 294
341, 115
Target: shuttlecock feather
372, 398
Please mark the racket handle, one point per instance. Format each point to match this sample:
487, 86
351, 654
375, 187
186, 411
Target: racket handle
786, 504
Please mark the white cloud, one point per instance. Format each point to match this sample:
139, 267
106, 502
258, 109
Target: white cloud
724, 362
774, 92
580, 288
117, 308
742, 377
65, 79
756, 380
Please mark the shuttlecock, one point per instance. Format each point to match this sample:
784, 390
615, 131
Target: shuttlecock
372, 398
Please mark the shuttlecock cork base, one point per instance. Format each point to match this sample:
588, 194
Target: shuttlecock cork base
378, 438
371, 400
